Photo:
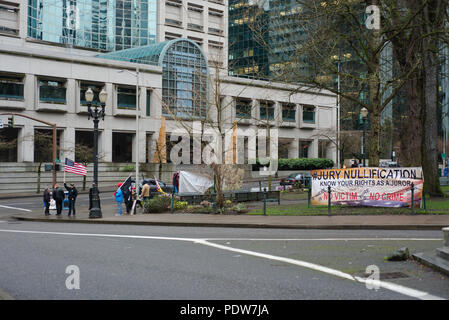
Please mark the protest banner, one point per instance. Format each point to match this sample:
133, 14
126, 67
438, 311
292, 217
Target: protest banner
373, 187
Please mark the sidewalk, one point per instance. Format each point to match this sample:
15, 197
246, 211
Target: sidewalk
392, 222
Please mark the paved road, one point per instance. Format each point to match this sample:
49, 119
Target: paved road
9, 207
141, 262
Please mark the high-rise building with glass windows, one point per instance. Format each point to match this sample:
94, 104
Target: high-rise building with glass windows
106, 25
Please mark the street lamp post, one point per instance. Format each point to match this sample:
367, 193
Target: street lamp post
364, 113
96, 114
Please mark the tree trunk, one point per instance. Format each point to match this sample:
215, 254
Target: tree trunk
373, 139
411, 136
430, 125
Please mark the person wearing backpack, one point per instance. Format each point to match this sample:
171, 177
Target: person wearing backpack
119, 199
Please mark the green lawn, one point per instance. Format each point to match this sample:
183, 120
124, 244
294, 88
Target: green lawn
445, 189
433, 206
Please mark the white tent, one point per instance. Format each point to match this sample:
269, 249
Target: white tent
194, 182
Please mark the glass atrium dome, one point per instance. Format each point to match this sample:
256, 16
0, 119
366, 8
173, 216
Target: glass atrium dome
184, 74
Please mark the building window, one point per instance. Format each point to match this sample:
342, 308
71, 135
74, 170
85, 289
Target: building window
96, 88
52, 91
184, 80
122, 147
84, 146
289, 112
11, 87
9, 18
308, 114
126, 98
243, 109
43, 139
148, 102
304, 149
266, 110
97, 24
322, 148
8, 147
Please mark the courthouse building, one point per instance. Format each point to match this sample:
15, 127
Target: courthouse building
174, 50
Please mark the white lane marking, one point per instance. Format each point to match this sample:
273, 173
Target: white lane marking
21, 203
326, 239
386, 285
101, 235
15, 208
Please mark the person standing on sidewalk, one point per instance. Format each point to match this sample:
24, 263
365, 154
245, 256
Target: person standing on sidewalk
176, 182
145, 193
58, 195
73, 193
119, 199
47, 199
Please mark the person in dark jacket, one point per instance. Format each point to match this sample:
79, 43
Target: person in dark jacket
176, 181
47, 201
128, 199
58, 195
73, 193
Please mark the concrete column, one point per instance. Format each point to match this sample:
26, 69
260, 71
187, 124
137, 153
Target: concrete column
142, 146
105, 145
71, 96
293, 150
331, 152
277, 113
313, 149
152, 146
68, 144
255, 111
25, 147
30, 94
109, 108
156, 104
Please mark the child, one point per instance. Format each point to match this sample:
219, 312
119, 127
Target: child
119, 199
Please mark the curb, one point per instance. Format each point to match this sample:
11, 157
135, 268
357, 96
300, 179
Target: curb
241, 225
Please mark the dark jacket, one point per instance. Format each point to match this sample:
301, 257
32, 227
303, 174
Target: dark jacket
73, 193
58, 194
46, 196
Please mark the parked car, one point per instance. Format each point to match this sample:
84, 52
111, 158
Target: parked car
389, 164
168, 188
303, 178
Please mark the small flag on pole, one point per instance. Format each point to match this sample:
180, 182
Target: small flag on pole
74, 167
126, 185
158, 187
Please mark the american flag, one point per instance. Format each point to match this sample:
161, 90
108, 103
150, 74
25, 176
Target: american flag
74, 167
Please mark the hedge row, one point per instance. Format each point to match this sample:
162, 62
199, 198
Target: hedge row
300, 164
